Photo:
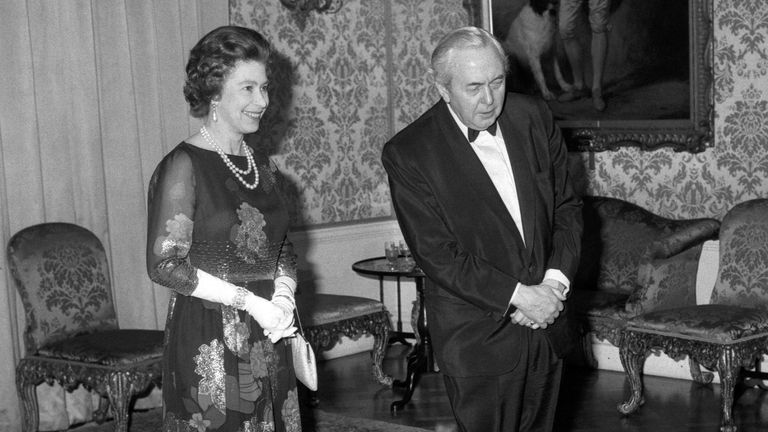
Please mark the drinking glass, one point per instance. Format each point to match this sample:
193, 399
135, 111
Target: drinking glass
405, 252
391, 252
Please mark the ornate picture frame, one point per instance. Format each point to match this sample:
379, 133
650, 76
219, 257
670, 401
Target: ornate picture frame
658, 83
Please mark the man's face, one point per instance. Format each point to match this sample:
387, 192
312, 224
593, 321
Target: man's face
477, 87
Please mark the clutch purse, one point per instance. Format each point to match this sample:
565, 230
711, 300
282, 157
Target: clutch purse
304, 364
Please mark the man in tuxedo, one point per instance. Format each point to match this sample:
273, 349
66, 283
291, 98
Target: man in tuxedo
481, 192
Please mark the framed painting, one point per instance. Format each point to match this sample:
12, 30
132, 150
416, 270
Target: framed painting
656, 82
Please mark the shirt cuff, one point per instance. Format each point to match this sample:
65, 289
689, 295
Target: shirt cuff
560, 277
510, 307
550, 274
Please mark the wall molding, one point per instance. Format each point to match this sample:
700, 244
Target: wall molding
344, 233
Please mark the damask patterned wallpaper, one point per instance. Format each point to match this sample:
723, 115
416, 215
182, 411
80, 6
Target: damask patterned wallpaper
358, 76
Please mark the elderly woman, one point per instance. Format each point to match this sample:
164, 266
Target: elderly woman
217, 238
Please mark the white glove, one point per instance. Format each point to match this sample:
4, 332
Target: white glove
277, 334
216, 290
283, 298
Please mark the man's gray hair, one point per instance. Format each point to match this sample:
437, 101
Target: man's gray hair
464, 37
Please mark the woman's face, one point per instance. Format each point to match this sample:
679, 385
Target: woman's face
244, 97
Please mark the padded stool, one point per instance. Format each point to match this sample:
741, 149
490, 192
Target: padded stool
328, 317
720, 337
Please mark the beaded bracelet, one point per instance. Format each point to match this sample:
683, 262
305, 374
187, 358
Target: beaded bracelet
239, 301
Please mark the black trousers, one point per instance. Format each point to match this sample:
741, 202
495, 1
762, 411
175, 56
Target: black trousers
522, 400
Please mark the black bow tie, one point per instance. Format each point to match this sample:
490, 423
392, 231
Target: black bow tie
472, 133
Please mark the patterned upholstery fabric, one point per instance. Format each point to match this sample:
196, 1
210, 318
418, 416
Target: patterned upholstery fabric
62, 276
327, 317
718, 323
616, 238
604, 315
666, 283
743, 273
72, 337
729, 333
629, 259
321, 309
109, 348
600, 304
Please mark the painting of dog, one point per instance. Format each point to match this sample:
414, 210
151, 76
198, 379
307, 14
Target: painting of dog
531, 39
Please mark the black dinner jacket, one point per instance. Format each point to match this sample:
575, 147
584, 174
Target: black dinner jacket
465, 240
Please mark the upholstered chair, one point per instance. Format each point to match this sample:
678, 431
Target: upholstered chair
624, 248
72, 335
726, 335
328, 317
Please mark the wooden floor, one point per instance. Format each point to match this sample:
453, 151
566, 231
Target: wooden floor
588, 400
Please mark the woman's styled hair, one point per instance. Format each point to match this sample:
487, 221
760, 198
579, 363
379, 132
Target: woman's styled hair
465, 37
214, 57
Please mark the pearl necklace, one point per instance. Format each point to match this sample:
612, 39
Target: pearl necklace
239, 173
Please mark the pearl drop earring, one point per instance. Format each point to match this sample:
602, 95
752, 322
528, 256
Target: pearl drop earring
215, 117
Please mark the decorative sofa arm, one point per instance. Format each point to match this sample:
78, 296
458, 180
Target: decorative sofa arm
666, 276
675, 243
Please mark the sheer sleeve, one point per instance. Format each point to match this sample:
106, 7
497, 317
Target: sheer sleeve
286, 262
171, 207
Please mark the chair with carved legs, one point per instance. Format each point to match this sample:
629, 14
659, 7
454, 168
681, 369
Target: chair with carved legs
328, 317
72, 336
726, 335
625, 248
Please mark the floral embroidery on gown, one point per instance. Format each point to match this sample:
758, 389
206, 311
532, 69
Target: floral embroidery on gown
221, 372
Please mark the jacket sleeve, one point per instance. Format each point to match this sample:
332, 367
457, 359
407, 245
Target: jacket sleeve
567, 224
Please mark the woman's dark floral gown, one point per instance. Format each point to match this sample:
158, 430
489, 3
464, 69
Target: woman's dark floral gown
221, 373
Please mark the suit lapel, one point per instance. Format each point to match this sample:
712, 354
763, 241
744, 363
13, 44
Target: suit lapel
473, 170
521, 169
